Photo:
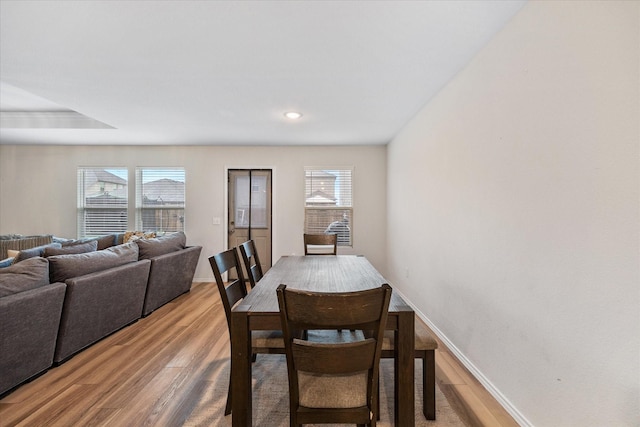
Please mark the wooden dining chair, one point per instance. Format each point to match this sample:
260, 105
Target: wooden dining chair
251, 262
233, 291
424, 348
312, 243
333, 381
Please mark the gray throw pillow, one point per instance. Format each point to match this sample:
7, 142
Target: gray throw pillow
104, 242
107, 241
7, 262
29, 274
34, 252
63, 267
151, 248
80, 248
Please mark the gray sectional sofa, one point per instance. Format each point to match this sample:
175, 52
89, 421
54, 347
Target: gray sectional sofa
170, 275
88, 294
30, 310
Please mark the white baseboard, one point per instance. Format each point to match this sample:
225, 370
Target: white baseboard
502, 400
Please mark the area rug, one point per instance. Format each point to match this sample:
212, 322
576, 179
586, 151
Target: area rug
271, 397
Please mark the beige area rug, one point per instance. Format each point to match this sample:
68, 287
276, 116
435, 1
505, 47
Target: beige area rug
271, 398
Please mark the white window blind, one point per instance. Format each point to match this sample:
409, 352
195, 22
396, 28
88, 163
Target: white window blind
102, 201
160, 199
329, 203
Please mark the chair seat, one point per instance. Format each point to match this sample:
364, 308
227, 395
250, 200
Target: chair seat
333, 391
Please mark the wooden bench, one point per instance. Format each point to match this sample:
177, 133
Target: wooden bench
425, 346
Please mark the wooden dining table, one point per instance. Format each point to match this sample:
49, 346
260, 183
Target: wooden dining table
259, 311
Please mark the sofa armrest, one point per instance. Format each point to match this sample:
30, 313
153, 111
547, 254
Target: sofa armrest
100, 303
28, 330
170, 276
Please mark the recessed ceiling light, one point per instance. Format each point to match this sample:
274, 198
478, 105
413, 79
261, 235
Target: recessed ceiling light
293, 115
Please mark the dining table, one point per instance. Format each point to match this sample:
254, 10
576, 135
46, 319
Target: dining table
322, 273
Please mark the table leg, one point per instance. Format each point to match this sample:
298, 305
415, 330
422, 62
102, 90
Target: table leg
404, 370
241, 401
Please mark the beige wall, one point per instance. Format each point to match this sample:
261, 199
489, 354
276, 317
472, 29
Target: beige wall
513, 209
38, 190
513, 214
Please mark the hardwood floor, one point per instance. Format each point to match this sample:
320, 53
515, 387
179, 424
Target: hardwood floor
149, 372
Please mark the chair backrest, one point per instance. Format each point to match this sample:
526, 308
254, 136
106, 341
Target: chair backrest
236, 289
251, 262
334, 372
329, 241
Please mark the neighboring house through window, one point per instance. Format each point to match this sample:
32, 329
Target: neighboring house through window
160, 199
102, 201
329, 203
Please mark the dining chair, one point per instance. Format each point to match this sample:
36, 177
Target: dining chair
251, 262
333, 381
424, 348
313, 241
233, 291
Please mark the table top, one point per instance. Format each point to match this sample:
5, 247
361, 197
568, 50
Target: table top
342, 273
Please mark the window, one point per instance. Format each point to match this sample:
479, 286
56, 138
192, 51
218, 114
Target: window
329, 203
102, 201
160, 199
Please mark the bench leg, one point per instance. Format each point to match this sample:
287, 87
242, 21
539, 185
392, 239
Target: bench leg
429, 384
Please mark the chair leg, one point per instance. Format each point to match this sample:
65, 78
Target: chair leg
378, 399
227, 409
429, 384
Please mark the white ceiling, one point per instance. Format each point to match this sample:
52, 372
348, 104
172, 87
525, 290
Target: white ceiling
224, 72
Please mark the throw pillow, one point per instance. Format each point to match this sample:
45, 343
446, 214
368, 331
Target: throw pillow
63, 267
79, 248
150, 248
6, 262
131, 236
29, 274
34, 252
104, 242
107, 241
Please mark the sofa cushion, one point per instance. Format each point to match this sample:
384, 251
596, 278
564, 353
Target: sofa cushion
150, 248
29, 274
80, 248
63, 267
34, 252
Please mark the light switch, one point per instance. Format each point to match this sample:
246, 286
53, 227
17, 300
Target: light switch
216, 220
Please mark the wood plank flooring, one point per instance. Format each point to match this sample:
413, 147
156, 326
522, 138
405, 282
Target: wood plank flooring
149, 374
